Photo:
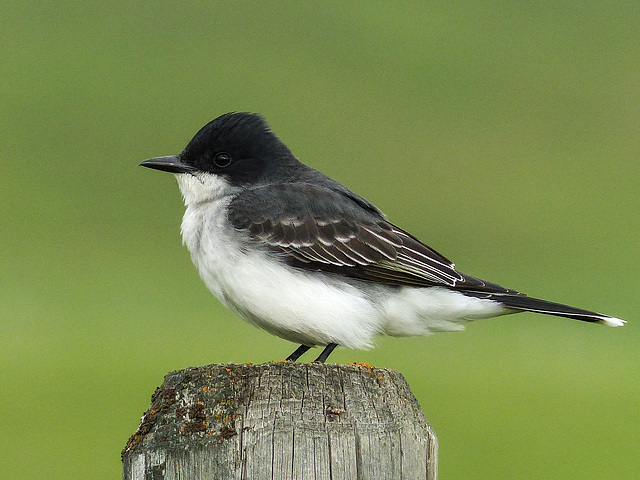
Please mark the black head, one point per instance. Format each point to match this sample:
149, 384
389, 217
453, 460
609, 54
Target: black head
239, 146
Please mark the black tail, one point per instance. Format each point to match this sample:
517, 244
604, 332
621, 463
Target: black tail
530, 304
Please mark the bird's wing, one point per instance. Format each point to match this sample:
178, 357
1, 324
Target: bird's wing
326, 229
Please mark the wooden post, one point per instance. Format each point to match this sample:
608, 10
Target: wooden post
282, 421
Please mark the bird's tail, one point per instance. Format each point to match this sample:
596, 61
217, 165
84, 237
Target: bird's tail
530, 304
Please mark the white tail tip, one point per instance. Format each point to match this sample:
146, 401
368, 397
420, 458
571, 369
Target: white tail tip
612, 322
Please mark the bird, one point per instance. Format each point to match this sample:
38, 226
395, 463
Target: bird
301, 256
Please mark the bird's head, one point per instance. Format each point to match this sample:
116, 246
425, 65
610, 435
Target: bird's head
235, 150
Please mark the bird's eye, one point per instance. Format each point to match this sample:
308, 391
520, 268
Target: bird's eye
222, 160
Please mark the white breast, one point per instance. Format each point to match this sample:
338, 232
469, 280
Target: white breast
288, 303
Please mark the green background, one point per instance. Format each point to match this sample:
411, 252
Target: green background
504, 134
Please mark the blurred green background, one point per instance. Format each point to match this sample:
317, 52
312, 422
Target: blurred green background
505, 135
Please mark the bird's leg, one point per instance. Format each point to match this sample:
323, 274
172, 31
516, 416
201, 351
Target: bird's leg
296, 355
325, 353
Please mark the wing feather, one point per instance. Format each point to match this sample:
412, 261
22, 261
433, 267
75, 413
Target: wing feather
326, 229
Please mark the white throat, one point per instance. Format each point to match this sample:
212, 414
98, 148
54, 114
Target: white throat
203, 187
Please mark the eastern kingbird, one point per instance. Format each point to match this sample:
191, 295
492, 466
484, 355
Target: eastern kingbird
296, 253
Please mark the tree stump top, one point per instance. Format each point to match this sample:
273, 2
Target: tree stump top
277, 420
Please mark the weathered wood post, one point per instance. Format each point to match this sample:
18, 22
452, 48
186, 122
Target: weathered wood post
282, 421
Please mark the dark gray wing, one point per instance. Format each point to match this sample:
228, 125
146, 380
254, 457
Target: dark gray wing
326, 229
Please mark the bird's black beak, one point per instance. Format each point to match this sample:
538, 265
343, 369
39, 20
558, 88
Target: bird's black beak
172, 164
